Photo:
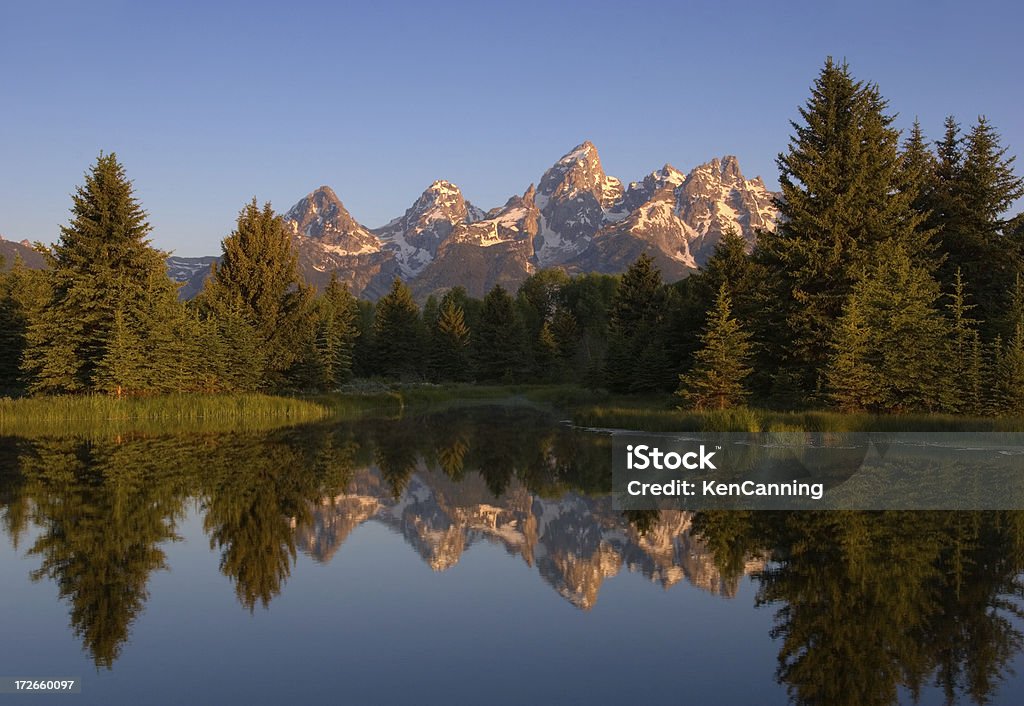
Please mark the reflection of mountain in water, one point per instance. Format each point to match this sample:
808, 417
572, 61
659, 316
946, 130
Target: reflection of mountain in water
576, 542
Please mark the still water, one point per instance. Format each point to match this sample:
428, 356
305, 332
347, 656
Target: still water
471, 556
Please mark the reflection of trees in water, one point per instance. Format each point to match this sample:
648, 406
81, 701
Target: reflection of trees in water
870, 602
865, 602
103, 511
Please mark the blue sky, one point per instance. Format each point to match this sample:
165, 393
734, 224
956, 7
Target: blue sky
210, 104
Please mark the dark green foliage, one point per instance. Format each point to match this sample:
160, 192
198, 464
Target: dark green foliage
398, 334
890, 350
1007, 397
852, 375
637, 358
841, 184
974, 186
108, 289
23, 294
720, 367
498, 340
257, 282
587, 299
328, 349
450, 337
966, 375
541, 303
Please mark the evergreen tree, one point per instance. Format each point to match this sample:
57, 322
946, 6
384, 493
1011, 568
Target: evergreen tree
965, 373
841, 184
852, 373
397, 333
635, 359
23, 294
257, 279
498, 339
450, 342
975, 185
120, 371
539, 301
338, 331
1009, 376
102, 265
892, 341
918, 170
716, 380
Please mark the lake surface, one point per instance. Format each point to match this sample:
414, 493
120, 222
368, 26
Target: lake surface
474, 556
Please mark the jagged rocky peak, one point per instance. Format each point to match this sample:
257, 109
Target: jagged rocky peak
711, 176
443, 200
639, 192
321, 216
580, 171
415, 236
576, 199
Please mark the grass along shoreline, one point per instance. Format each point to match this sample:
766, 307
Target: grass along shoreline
585, 408
103, 413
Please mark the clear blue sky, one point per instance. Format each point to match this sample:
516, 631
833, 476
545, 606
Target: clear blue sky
210, 104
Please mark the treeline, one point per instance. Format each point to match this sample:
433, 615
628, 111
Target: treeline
892, 283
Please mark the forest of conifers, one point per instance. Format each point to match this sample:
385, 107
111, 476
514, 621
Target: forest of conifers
893, 283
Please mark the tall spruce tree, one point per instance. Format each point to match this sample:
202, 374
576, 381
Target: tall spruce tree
720, 367
328, 349
1008, 377
852, 373
257, 282
966, 371
23, 294
890, 348
398, 333
102, 267
498, 339
841, 197
974, 186
450, 337
636, 358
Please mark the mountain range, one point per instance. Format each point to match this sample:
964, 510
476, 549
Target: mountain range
576, 217
574, 542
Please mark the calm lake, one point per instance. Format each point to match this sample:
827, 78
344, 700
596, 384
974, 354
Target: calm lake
468, 556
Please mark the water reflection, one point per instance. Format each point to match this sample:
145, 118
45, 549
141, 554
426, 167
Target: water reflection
865, 604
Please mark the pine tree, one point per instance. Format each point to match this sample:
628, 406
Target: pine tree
893, 340
716, 380
965, 372
121, 370
23, 294
1009, 376
841, 184
397, 331
450, 342
918, 170
852, 374
635, 343
498, 339
338, 331
258, 280
101, 266
975, 185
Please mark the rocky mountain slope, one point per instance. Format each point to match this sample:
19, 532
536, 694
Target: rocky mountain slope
577, 217
11, 251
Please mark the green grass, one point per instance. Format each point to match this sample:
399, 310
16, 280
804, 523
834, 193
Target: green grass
102, 414
756, 420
